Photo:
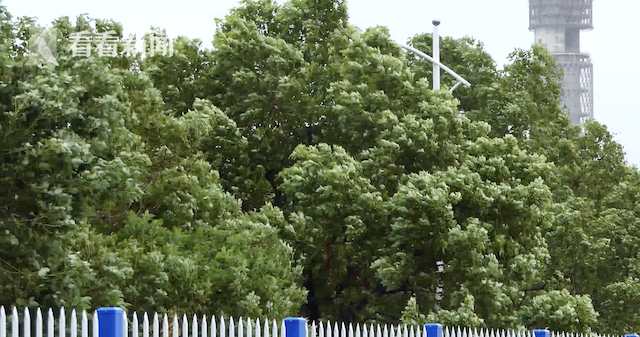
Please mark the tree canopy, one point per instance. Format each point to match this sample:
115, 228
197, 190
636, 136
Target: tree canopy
304, 167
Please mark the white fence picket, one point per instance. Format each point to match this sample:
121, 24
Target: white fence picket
3, 322
39, 324
165, 326
96, 326
265, 329
134, 325
62, 323
274, 329
14, 323
156, 325
26, 323
175, 328
50, 323
125, 324
73, 324
85, 324
194, 326
185, 326
145, 325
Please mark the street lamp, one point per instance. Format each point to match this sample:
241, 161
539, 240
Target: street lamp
436, 61
436, 54
436, 86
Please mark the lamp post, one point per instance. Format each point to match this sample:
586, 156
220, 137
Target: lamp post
436, 55
436, 61
436, 86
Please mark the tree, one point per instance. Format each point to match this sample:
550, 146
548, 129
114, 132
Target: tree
304, 161
99, 192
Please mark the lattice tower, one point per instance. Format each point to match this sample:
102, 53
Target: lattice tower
557, 25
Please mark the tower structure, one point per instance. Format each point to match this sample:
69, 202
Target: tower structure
557, 25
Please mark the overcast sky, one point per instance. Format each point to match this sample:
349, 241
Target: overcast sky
501, 24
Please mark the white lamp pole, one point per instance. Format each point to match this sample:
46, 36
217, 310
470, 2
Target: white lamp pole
436, 61
436, 55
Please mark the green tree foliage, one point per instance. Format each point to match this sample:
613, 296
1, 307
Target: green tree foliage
304, 167
109, 197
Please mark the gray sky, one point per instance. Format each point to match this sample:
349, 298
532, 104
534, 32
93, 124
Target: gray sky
501, 24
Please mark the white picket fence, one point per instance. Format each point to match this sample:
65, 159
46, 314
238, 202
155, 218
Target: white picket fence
221, 327
27, 324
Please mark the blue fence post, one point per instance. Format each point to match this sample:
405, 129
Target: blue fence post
536, 333
110, 322
433, 330
294, 327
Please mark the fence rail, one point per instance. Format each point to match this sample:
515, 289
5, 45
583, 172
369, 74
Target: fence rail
163, 325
